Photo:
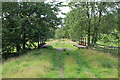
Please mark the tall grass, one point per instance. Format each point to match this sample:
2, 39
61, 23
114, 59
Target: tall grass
76, 63
0, 71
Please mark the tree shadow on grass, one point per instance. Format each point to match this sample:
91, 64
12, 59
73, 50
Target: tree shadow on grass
9, 55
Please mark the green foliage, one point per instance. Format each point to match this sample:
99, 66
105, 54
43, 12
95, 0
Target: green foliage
91, 20
27, 22
75, 24
59, 33
109, 39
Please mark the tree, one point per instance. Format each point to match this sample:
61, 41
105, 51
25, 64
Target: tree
25, 23
88, 19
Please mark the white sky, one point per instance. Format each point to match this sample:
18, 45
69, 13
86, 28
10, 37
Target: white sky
63, 9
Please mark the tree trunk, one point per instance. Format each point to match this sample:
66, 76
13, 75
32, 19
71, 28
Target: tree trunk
89, 23
97, 27
38, 42
24, 41
38, 45
18, 47
24, 44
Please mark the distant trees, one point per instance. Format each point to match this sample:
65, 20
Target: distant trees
59, 33
92, 20
25, 23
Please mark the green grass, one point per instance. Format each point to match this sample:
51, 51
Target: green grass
62, 43
45, 62
108, 43
0, 70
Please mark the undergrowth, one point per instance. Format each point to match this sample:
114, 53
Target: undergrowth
76, 63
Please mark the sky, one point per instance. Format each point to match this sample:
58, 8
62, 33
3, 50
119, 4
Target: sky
63, 9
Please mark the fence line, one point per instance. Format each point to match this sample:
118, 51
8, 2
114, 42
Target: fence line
105, 48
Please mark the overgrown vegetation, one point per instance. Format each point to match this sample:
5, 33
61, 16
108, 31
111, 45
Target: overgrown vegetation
27, 26
98, 21
76, 63
25, 23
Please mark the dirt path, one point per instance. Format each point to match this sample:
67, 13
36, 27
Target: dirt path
63, 49
60, 65
61, 71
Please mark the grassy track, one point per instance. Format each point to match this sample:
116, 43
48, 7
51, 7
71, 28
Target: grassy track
52, 63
